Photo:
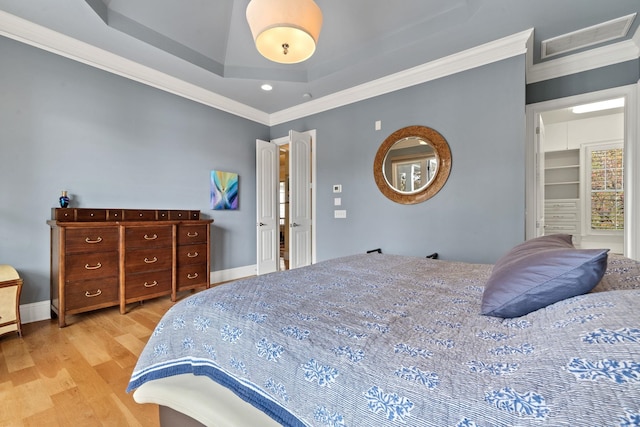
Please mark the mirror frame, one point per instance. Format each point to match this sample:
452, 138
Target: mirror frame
443, 154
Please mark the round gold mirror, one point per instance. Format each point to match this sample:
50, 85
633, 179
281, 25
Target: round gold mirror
412, 164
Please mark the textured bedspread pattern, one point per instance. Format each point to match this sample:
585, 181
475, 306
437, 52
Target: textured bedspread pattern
375, 339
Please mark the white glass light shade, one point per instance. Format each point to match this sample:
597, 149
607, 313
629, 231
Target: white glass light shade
285, 31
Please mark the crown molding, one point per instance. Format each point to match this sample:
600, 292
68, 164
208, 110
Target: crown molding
478, 56
41, 37
52, 41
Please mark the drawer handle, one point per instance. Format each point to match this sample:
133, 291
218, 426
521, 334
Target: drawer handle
192, 255
189, 276
98, 240
150, 285
147, 237
92, 267
150, 261
195, 234
90, 295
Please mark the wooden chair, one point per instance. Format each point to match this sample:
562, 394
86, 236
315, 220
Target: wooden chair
10, 288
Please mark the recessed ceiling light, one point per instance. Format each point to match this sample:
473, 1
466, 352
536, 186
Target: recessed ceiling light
266, 87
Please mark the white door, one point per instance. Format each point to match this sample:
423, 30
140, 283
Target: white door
267, 222
540, 179
299, 199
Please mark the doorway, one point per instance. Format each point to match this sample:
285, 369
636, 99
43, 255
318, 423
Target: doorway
580, 169
283, 205
286, 200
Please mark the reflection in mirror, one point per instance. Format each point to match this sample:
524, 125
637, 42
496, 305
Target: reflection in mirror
412, 164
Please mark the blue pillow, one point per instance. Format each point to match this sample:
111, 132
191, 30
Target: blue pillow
540, 272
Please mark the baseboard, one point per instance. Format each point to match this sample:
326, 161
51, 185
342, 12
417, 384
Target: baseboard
41, 310
232, 274
35, 311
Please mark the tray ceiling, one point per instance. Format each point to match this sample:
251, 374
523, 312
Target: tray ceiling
204, 45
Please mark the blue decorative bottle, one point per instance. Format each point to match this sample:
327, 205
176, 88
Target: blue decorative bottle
64, 200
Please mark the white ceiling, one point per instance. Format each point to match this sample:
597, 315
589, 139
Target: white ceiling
206, 45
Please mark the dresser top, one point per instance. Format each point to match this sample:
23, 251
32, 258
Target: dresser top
84, 215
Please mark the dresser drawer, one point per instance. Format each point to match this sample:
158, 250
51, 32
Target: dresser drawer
99, 239
141, 260
91, 266
83, 214
143, 284
115, 215
191, 234
191, 274
192, 254
63, 214
148, 237
179, 215
139, 215
91, 293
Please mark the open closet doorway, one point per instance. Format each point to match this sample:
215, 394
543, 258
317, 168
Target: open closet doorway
582, 154
285, 200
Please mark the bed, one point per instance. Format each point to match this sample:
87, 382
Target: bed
377, 339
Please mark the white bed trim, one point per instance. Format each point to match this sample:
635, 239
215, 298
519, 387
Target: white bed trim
184, 393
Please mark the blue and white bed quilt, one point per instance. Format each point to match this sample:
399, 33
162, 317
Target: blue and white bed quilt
374, 339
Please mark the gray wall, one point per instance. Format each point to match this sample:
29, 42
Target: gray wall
622, 74
476, 217
110, 142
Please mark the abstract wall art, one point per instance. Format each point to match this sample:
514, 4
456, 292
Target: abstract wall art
224, 190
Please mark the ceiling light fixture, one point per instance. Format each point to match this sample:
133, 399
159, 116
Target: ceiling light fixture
266, 87
598, 106
285, 31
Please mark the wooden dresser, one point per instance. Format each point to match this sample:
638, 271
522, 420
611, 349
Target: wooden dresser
108, 257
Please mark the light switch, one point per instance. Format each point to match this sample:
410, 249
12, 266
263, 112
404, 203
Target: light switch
339, 214
337, 201
337, 188
378, 124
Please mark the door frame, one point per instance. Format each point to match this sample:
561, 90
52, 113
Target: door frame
631, 158
285, 140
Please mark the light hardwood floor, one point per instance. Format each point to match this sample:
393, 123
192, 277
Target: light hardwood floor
77, 375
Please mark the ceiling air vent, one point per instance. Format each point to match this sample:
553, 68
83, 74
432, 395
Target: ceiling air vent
589, 36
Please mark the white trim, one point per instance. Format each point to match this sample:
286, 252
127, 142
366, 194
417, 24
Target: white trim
314, 193
35, 312
38, 36
220, 276
632, 172
627, 50
314, 150
631, 166
478, 56
41, 37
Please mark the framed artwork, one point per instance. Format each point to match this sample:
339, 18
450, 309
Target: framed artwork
224, 190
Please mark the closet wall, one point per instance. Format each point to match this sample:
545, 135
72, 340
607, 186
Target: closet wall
566, 195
